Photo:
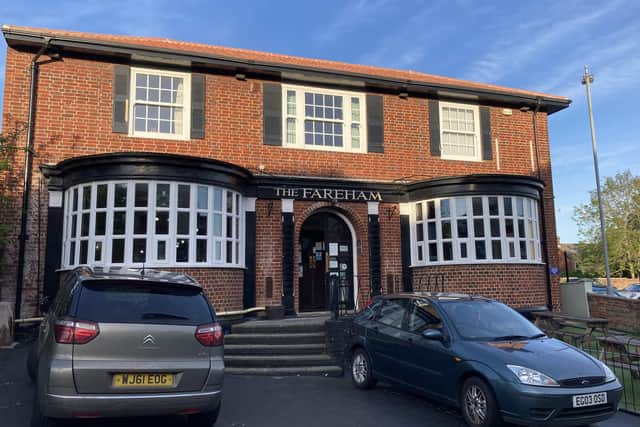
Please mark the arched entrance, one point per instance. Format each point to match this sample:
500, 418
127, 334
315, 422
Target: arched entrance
326, 253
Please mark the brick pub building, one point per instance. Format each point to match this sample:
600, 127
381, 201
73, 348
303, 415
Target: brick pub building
263, 175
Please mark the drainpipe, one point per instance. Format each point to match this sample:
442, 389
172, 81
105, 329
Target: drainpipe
28, 165
543, 241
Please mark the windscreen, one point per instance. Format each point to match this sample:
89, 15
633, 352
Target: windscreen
484, 320
136, 302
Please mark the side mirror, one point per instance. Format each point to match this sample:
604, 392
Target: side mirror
433, 334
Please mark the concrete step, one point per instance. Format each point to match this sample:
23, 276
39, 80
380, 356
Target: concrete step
265, 349
329, 371
276, 339
278, 361
296, 325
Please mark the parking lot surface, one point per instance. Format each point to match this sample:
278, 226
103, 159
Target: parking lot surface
268, 402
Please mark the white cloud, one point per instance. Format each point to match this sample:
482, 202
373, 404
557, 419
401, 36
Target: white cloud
516, 49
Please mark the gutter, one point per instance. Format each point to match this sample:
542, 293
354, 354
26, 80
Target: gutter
287, 71
543, 241
28, 166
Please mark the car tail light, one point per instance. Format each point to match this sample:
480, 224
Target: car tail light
75, 332
209, 335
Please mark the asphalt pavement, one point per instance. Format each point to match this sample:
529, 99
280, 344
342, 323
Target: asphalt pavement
252, 401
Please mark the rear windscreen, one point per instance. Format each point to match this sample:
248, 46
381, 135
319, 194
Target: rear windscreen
122, 302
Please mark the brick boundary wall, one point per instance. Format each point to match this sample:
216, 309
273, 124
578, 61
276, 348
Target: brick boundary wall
517, 285
623, 313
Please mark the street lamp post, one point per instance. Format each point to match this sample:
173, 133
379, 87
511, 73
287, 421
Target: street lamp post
587, 79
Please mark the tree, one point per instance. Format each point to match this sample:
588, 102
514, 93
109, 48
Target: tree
8, 146
621, 204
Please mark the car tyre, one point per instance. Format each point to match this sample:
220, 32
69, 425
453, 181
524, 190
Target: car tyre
361, 373
478, 404
32, 364
39, 420
204, 419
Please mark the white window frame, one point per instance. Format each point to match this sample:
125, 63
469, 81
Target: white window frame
531, 219
237, 239
186, 107
477, 133
346, 122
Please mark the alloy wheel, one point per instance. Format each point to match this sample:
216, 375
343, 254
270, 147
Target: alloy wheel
359, 368
475, 404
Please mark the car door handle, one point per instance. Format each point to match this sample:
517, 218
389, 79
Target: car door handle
410, 340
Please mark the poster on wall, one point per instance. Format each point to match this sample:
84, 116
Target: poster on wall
333, 249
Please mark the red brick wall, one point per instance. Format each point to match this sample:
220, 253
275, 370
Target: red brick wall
623, 313
518, 285
223, 286
268, 251
73, 118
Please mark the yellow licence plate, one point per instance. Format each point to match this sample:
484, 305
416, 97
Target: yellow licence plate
143, 380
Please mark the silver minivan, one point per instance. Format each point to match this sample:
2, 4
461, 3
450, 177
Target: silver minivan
128, 343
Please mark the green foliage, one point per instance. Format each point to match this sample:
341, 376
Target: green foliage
621, 203
8, 147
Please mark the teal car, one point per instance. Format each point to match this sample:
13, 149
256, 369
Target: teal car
482, 356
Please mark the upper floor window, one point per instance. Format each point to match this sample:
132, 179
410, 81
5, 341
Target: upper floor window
475, 229
323, 119
160, 104
459, 131
152, 223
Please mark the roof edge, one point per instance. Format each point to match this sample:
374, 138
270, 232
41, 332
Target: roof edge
552, 104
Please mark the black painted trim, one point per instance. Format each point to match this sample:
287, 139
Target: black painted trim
485, 129
434, 127
405, 253
249, 281
146, 166
375, 124
272, 114
20, 38
375, 263
288, 264
53, 250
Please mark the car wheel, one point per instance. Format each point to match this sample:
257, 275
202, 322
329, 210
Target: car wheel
32, 363
478, 404
361, 369
39, 420
204, 419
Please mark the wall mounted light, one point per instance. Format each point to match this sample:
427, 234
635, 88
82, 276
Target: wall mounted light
241, 76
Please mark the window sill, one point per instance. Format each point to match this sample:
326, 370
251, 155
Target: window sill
138, 266
159, 136
323, 148
476, 262
461, 159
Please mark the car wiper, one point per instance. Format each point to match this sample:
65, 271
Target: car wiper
163, 316
533, 337
510, 338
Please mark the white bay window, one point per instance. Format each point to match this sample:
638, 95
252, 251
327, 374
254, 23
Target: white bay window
152, 223
475, 229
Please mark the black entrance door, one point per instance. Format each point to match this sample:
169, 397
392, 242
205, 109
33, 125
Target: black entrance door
326, 252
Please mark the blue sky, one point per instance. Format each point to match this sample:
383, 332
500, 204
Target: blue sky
540, 46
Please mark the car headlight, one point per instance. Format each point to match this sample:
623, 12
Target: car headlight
532, 377
608, 373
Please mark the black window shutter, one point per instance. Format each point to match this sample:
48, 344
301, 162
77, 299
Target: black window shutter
375, 124
272, 113
434, 127
120, 121
197, 105
485, 129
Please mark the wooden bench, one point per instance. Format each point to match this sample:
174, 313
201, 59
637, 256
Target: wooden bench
622, 352
553, 322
